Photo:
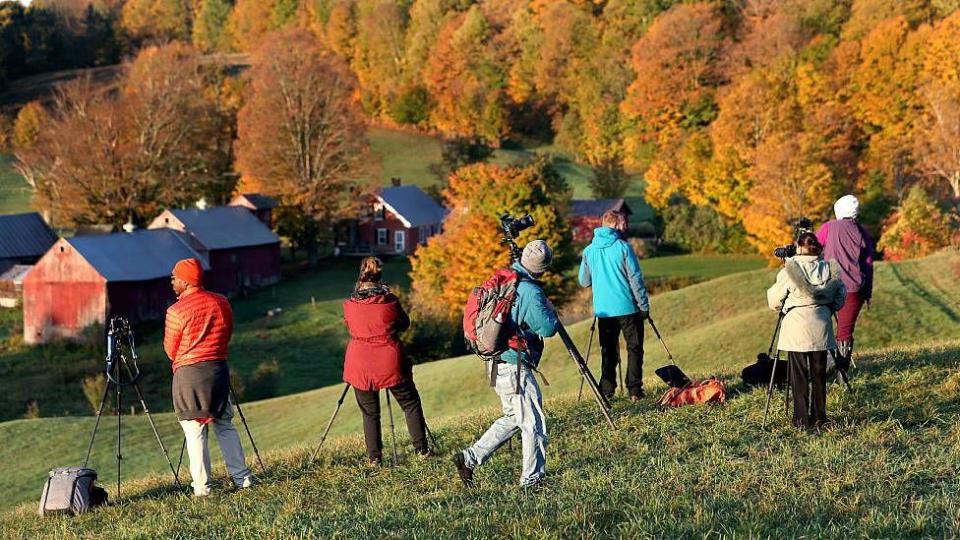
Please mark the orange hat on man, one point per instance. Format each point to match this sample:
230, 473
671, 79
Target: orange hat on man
189, 270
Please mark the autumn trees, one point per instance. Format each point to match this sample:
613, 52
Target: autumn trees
104, 158
301, 137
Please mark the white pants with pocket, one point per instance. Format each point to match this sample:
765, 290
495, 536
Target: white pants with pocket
522, 412
199, 451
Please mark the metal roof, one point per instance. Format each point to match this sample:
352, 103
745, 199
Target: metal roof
258, 201
223, 227
138, 256
24, 235
16, 273
596, 207
412, 205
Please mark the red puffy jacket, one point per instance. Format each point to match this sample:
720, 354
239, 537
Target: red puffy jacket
374, 358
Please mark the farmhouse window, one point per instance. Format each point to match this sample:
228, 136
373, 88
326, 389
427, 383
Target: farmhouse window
381, 237
378, 212
400, 241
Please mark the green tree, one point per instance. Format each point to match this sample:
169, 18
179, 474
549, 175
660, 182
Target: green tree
210, 23
918, 227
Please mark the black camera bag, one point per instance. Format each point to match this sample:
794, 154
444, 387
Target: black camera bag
72, 491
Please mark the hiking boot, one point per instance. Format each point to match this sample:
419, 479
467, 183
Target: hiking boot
426, 454
375, 462
535, 486
466, 473
638, 396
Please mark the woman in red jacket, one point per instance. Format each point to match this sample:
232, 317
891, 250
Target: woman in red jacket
375, 359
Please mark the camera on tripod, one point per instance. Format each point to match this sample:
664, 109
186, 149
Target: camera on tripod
514, 226
804, 225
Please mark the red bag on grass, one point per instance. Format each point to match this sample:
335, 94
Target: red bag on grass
708, 391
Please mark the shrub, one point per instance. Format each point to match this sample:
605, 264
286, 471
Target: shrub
33, 409
701, 229
917, 228
264, 381
93, 388
412, 106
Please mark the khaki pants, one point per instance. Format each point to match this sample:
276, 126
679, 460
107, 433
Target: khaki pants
199, 452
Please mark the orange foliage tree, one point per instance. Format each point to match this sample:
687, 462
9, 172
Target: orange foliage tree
160, 141
470, 247
300, 133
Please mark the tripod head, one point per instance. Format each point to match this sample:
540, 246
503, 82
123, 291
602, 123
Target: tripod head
120, 342
511, 228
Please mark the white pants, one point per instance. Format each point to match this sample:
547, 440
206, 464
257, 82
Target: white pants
199, 452
522, 412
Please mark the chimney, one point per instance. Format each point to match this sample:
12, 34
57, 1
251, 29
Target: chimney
396, 181
129, 226
202, 203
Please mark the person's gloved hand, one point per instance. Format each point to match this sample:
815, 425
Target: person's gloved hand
644, 315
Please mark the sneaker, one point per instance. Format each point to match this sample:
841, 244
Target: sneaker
466, 473
247, 482
375, 462
426, 454
535, 486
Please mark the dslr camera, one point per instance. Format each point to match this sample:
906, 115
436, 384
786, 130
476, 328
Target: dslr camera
803, 225
512, 227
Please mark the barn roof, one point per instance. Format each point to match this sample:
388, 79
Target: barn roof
138, 256
412, 206
224, 227
258, 201
24, 235
596, 207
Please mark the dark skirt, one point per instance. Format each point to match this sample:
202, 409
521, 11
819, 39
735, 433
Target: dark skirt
201, 390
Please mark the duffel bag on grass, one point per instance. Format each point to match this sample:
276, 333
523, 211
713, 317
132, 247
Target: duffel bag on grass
708, 391
71, 490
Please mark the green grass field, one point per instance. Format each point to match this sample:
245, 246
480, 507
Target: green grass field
14, 192
686, 472
307, 338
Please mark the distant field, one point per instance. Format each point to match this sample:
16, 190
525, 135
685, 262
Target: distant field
700, 267
14, 192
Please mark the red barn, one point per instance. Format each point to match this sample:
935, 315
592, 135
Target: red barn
261, 206
586, 214
85, 280
393, 221
243, 252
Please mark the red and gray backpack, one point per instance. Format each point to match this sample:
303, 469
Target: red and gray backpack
487, 327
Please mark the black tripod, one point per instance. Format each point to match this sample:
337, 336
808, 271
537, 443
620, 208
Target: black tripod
120, 344
336, 411
511, 229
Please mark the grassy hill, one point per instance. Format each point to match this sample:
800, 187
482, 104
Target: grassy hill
715, 327
14, 191
887, 468
306, 339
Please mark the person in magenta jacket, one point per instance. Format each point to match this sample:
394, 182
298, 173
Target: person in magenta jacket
847, 242
375, 361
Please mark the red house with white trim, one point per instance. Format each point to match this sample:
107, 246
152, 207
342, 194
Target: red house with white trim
393, 221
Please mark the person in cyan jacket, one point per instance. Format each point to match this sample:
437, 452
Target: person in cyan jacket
375, 361
519, 393
620, 301
808, 291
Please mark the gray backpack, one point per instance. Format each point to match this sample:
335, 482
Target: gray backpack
71, 490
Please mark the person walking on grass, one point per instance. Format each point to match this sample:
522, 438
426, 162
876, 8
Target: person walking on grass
847, 242
620, 301
808, 291
375, 361
196, 337
520, 397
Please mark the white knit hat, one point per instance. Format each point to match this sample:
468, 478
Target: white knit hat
846, 207
537, 257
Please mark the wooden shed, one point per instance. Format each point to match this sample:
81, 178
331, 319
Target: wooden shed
243, 252
261, 206
85, 280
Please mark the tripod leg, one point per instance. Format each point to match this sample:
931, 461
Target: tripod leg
433, 439
119, 422
585, 373
96, 426
620, 375
773, 373
393, 431
346, 387
247, 428
593, 328
180, 462
146, 410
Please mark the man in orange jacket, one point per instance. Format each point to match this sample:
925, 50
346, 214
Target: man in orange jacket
196, 336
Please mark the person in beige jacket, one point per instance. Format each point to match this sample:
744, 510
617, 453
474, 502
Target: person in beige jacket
808, 291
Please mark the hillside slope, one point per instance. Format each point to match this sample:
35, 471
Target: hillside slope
715, 327
887, 468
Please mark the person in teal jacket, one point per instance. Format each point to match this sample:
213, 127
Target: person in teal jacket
519, 393
620, 301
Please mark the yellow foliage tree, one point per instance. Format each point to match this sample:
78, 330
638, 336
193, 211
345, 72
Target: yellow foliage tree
30, 120
470, 247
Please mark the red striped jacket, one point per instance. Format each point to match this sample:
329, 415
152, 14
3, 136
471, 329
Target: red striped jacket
198, 328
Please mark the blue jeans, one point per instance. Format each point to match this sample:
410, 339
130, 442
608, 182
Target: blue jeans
522, 412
